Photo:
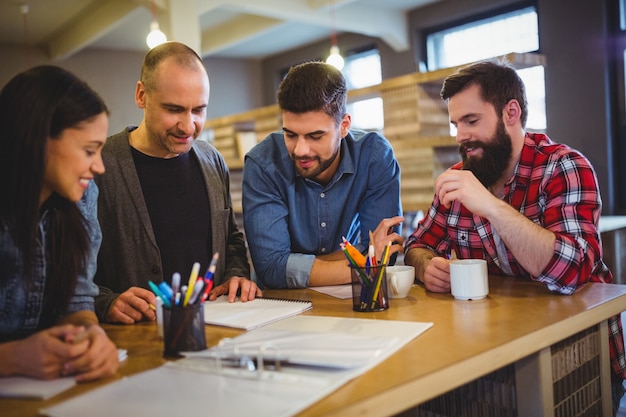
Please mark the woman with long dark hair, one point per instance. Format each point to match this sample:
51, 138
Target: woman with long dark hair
53, 129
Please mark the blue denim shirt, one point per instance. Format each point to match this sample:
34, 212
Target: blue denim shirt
288, 219
20, 306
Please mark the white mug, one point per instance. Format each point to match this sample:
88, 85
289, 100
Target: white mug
468, 279
400, 278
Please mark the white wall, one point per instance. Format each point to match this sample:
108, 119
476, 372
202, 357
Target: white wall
235, 84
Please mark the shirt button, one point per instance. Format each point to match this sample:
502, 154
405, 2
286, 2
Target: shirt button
323, 224
322, 195
323, 249
155, 270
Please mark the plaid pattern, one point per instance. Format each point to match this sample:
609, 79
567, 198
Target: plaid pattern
555, 187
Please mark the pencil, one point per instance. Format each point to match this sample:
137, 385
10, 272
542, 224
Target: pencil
192, 282
357, 256
380, 273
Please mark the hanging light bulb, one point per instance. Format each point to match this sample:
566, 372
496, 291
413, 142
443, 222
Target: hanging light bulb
155, 37
335, 59
25, 9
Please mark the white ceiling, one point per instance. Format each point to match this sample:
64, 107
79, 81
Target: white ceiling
219, 28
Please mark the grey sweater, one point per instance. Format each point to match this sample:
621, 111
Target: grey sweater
129, 256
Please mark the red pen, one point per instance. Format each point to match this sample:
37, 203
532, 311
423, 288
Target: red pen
208, 277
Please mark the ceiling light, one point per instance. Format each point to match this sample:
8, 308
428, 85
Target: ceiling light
25, 9
335, 59
155, 37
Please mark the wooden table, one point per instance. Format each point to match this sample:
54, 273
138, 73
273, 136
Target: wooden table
514, 327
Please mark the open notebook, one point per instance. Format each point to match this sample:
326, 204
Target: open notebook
251, 314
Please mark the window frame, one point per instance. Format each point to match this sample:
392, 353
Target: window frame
470, 19
617, 79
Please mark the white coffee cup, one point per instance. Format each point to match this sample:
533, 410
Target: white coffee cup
468, 279
399, 280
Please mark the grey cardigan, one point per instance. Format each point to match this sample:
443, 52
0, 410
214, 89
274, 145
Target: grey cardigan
129, 255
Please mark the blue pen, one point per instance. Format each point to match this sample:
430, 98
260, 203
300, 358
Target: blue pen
211, 269
158, 292
166, 290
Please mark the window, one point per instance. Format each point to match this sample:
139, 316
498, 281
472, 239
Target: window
363, 70
619, 109
514, 31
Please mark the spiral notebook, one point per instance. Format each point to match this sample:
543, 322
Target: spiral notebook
251, 314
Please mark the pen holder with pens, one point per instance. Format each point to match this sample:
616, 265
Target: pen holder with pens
369, 288
183, 329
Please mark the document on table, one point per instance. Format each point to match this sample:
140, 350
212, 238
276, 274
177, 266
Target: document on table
338, 291
26, 387
310, 371
38, 389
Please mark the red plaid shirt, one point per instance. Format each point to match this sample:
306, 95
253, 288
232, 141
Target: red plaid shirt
555, 187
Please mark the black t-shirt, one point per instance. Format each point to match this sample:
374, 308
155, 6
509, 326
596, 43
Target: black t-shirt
175, 193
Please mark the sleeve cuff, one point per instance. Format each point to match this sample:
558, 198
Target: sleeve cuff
299, 270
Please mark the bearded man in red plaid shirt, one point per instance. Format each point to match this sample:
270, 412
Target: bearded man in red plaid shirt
527, 205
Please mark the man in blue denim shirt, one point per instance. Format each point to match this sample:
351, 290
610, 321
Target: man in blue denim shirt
305, 189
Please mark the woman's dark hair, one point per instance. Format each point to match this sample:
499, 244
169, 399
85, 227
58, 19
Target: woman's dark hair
314, 86
37, 105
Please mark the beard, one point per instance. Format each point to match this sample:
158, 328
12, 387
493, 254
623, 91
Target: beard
489, 167
322, 165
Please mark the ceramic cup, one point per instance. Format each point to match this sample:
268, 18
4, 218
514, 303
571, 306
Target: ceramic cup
400, 278
468, 279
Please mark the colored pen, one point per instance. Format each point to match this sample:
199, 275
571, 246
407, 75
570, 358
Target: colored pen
372, 251
166, 290
175, 282
158, 292
183, 290
196, 291
192, 283
208, 277
357, 256
380, 273
207, 289
211, 269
